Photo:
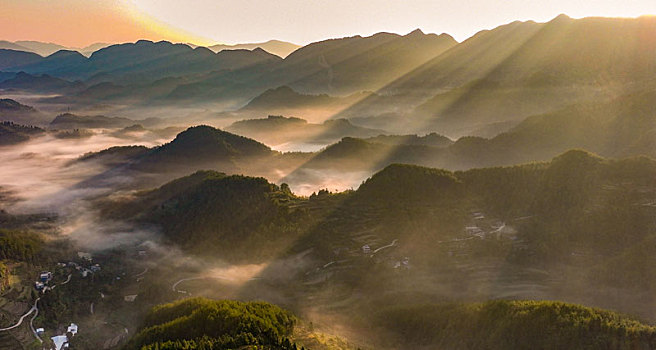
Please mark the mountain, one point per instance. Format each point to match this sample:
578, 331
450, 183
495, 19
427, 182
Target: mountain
520, 69
501, 325
432, 139
72, 121
619, 127
12, 58
47, 49
41, 48
12, 110
151, 61
573, 228
338, 67
284, 100
276, 47
284, 97
275, 130
215, 324
513, 324
230, 215
204, 147
41, 83
7, 45
58, 61
6, 76
11, 106
348, 65
133, 62
11, 134
90, 49
115, 156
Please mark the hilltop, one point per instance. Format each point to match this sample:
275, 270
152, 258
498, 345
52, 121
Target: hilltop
11, 134
201, 323
275, 130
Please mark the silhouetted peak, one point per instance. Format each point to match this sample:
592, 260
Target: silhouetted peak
561, 18
416, 32
66, 53
144, 42
337, 122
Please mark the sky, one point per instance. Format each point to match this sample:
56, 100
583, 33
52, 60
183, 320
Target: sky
78, 23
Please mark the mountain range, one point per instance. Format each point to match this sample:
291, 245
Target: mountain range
414, 83
276, 47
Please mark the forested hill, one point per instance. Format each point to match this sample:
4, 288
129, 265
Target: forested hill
223, 324
203, 147
206, 324
576, 203
11, 133
514, 325
235, 217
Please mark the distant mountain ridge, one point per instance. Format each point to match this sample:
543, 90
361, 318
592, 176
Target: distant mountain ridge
276, 47
133, 61
275, 130
409, 84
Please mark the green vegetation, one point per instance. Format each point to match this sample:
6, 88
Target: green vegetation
115, 155
21, 246
11, 133
576, 205
514, 325
233, 217
202, 146
206, 324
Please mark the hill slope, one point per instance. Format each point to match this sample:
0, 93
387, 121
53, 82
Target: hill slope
514, 325
202, 323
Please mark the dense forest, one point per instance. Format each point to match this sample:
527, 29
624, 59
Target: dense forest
21, 246
514, 325
207, 324
579, 210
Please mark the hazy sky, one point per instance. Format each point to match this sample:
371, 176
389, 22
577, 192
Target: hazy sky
81, 22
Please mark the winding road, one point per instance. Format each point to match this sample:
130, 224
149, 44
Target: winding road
20, 321
191, 279
35, 310
384, 247
36, 313
141, 273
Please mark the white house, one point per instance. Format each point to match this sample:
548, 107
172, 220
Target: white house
61, 342
45, 276
72, 329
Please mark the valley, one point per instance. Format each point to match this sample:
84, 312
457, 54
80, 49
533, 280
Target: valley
383, 191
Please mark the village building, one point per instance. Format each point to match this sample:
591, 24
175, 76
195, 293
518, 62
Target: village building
60, 341
72, 329
45, 276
